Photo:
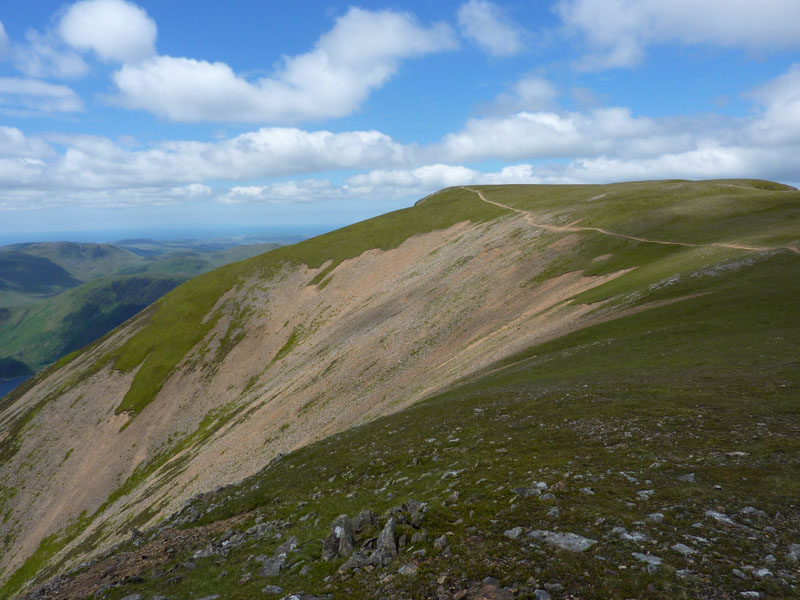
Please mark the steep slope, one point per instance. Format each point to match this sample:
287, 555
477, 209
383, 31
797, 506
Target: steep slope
240, 365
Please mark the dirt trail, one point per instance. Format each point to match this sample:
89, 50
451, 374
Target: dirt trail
571, 228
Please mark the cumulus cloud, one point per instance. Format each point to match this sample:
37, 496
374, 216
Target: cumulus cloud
36, 96
555, 134
15, 144
44, 55
115, 30
531, 93
306, 190
358, 55
619, 31
781, 99
547, 146
485, 23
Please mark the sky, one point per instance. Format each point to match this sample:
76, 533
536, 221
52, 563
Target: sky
156, 116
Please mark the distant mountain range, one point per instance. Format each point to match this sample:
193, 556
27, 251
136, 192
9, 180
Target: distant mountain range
58, 296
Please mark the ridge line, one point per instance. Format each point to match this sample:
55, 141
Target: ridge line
571, 228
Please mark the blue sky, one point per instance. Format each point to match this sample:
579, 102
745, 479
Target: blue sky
154, 116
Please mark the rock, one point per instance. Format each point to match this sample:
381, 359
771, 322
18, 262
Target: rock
553, 512
272, 589
527, 492
629, 537
419, 537
440, 543
417, 511
794, 553
655, 517
720, 517
133, 597
514, 533
750, 594
408, 570
364, 520
688, 477
739, 574
541, 595
751, 511
341, 536
683, 573
493, 592
357, 560
272, 566
566, 541
762, 572
683, 549
547, 496
385, 547
553, 587
648, 558
645, 494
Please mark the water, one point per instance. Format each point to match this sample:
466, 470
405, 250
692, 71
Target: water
7, 386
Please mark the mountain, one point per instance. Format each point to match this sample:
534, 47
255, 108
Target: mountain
61, 265
66, 295
510, 390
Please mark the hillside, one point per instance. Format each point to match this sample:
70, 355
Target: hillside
62, 295
616, 362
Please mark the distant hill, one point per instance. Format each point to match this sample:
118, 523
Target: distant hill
27, 276
82, 261
56, 297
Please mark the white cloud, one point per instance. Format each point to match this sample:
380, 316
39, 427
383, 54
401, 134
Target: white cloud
609, 144
44, 55
36, 96
15, 144
358, 55
306, 190
114, 29
555, 134
619, 31
781, 99
531, 93
5, 43
485, 23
